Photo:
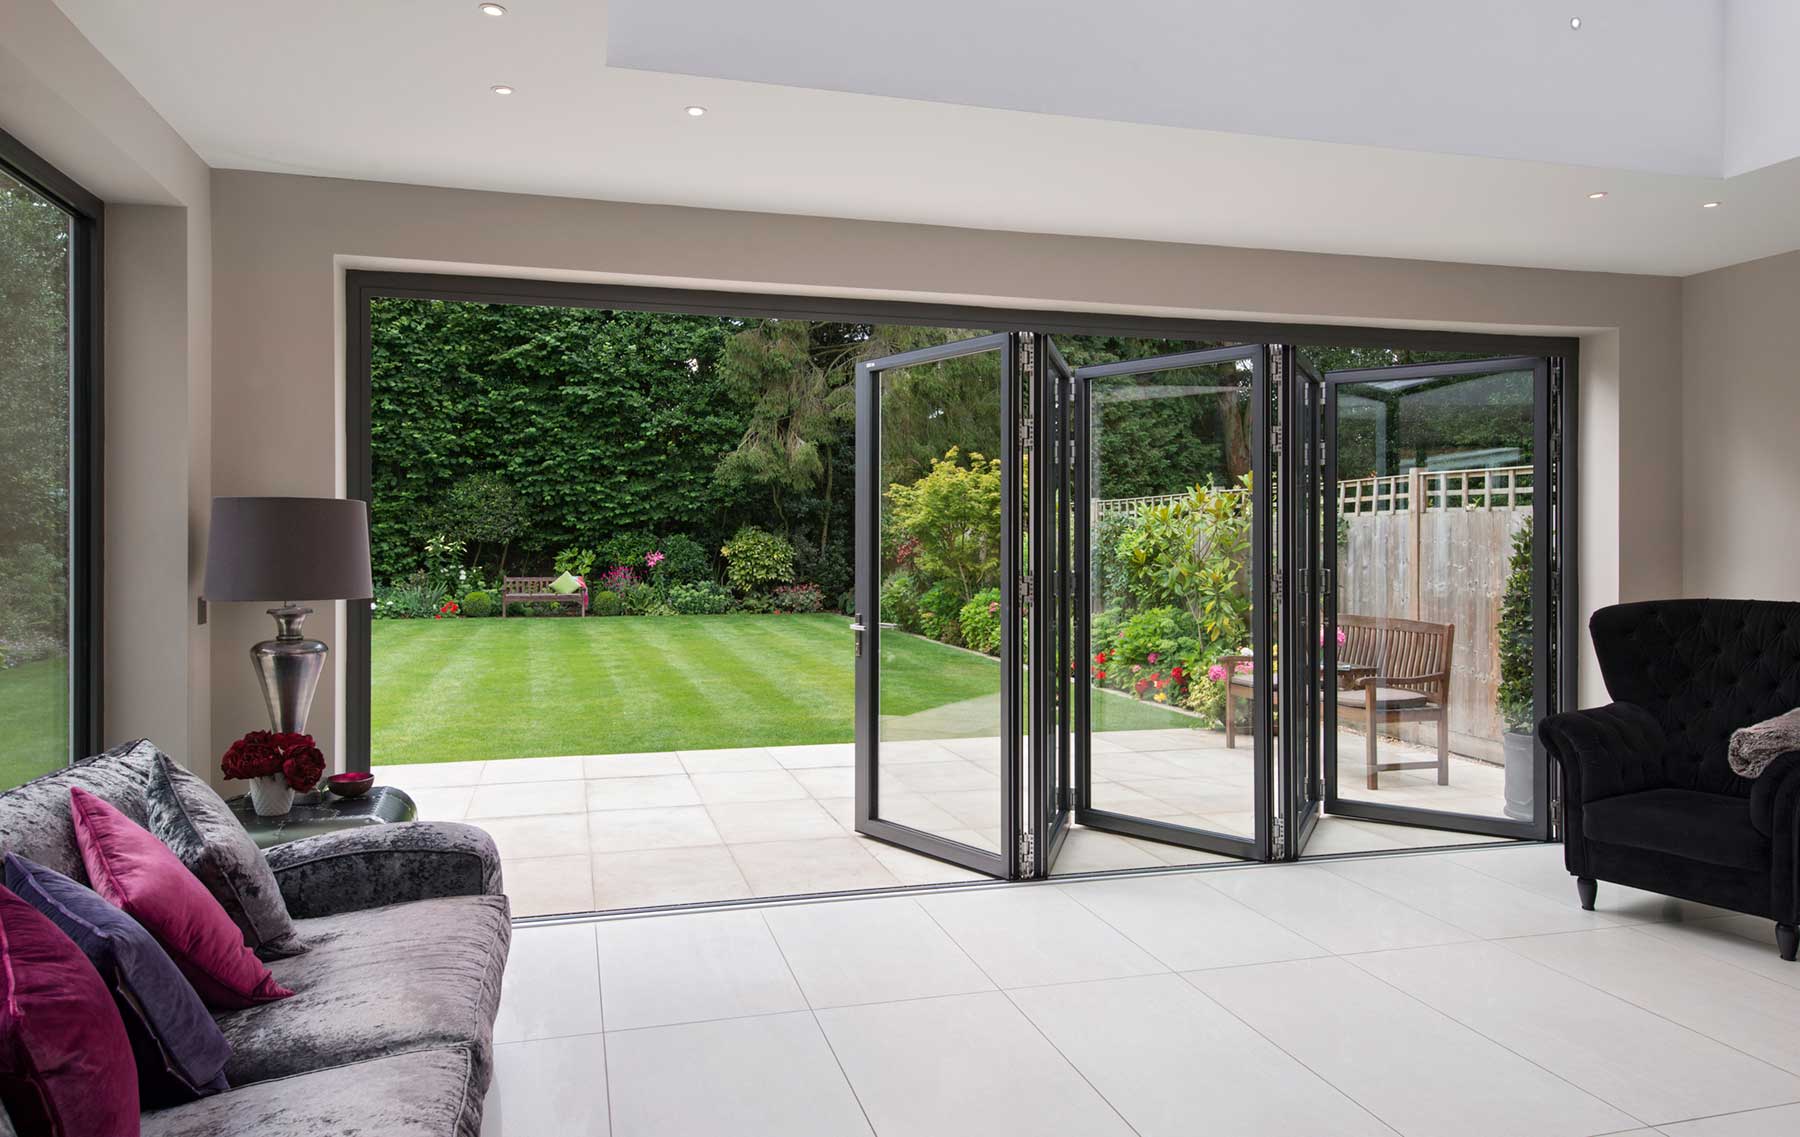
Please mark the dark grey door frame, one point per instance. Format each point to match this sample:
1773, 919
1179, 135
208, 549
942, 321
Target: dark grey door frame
361, 287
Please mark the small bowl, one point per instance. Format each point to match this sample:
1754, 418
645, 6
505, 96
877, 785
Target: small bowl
350, 785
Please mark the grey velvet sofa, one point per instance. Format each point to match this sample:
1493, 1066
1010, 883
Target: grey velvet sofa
390, 1030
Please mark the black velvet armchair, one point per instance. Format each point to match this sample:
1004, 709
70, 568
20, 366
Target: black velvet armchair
1649, 799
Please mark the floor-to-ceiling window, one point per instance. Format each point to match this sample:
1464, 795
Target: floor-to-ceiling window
49, 233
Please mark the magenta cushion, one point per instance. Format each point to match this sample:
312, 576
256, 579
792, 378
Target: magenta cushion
138, 874
65, 1060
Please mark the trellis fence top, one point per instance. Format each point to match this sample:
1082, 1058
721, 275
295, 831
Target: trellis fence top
1502, 487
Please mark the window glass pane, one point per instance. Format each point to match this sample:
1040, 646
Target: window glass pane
36, 490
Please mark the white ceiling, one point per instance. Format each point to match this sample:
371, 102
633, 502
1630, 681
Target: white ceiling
854, 112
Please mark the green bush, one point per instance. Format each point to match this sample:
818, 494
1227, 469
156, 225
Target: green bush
755, 559
1515, 693
605, 604
825, 567
900, 601
799, 598
640, 600
847, 603
1191, 553
574, 561
939, 609
414, 598
980, 621
953, 515
756, 603
703, 599
477, 604
1148, 648
624, 549
684, 560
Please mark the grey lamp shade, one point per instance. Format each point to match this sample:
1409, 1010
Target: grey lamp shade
288, 548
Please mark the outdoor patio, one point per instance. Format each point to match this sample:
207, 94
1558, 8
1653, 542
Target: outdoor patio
597, 832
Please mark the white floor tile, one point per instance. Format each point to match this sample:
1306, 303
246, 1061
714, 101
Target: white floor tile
1409, 1065
727, 761
754, 785
532, 770
421, 775
1540, 869
547, 886
1175, 1063
631, 765
666, 876
526, 799
629, 830
871, 951
964, 1066
1089, 850
792, 868
1458, 895
1187, 925
1022, 937
835, 781
1756, 1015
771, 1076
442, 803
552, 1085
1747, 941
1782, 1121
662, 970
655, 792
797, 820
551, 988
1645, 1065
547, 835
1331, 911
814, 757
911, 868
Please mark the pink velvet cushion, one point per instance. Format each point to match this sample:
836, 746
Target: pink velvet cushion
138, 874
65, 1060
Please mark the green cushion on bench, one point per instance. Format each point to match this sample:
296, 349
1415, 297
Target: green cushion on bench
565, 585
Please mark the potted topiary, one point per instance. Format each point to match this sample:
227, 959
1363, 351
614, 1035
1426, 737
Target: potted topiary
1517, 711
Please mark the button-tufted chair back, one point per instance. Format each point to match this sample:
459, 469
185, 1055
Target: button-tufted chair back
1704, 668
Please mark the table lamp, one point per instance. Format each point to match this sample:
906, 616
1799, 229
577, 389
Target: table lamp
287, 550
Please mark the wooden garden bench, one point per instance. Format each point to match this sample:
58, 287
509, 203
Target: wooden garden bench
1391, 671
536, 590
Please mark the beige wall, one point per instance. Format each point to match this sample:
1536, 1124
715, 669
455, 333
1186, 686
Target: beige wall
1741, 430
59, 96
281, 244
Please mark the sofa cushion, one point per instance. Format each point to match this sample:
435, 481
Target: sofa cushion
1700, 826
378, 981
34, 817
180, 1052
424, 1093
191, 818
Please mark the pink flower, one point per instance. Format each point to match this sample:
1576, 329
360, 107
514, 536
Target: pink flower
654, 559
1152, 657
1136, 667
1216, 673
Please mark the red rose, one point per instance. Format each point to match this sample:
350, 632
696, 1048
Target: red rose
303, 768
1099, 675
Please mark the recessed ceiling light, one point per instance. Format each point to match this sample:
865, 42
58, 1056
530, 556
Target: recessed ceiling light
491, 9
501, 89
1596, 195
1575, 22
1709, 205
696, 112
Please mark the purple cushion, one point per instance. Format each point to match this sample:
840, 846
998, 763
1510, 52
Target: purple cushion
180, 1051
65, 1062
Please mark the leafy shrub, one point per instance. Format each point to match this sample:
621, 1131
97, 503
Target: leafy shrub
939, 608
639, 599
481, 509
1190, 553
825, 567
575, 561
684, 560
624, 549
1154, 654
414, 598
1206, 697
900, 601
703, 599
847, 603
1111, 581
799, 598
477, 605
1515, 693
756, 603
980, 621
755, 559
605, 603
953, 513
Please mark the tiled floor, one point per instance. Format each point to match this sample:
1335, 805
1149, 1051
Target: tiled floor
582, 834
1461, 993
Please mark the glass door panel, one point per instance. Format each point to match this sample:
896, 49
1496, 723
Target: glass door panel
1435, 548
1172, 536
939, 494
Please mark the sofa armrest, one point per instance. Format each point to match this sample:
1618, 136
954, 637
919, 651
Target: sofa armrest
1606, 751
1774, 802
377, 865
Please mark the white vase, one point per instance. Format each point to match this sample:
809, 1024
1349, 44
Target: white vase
270, 795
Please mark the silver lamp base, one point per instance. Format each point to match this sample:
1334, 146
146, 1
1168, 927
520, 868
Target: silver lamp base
288, 667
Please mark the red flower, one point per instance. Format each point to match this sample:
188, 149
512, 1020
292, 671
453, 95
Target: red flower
1177, 674
261, 753
1142, 685
303, 768
1099, 675
1099, 657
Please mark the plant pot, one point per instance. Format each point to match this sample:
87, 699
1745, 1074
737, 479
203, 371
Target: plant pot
271, 796
1521, 775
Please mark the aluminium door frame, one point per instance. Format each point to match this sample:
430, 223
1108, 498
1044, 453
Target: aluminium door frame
1301, 464
1546, 501
1049, 807
1260, 844
866, 622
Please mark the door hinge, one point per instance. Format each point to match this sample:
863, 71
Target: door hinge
1275, 440
1027, 852
1278, 831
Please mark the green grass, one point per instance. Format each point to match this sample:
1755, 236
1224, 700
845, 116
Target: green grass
450, 690
34, 720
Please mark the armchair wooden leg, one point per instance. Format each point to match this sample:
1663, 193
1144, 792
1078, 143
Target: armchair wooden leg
1443, 724
1371, 747
1230, 716
1787, 939
1587, 888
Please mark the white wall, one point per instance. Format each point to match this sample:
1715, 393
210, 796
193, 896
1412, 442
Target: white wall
1761, 110
1741, 430
281, 244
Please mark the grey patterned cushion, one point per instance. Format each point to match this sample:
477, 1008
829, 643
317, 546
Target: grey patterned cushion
198, 827
34, 817
377, 981
425, 1093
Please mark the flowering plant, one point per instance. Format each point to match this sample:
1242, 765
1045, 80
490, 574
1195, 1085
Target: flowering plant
262, 753
618, 579
653, 559
449, 608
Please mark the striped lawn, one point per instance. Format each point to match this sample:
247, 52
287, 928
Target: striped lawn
34, 720
452, 690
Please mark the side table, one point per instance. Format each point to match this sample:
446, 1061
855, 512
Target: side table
327, 813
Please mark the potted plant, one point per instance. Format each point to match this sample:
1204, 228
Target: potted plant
277, 765
1517, 711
